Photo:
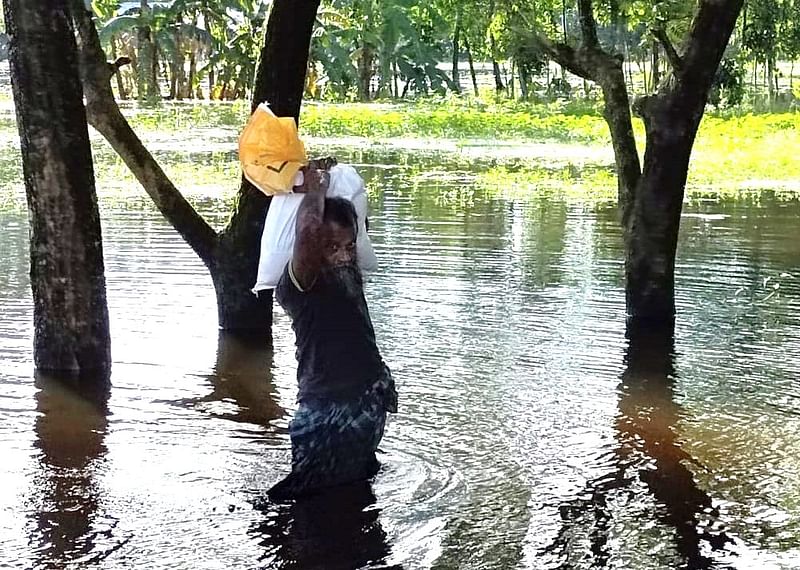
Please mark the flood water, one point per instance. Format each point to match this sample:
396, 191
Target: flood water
531, 432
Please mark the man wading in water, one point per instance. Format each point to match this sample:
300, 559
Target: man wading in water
344, 388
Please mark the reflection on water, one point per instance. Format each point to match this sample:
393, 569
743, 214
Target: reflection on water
242, 386
64, 496
647, 452
536, 432
336, 529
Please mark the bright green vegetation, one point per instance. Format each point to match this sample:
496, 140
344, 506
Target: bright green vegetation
732, 152
497, 145
457, 119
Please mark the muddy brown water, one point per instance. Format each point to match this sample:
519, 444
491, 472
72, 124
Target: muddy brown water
531, 432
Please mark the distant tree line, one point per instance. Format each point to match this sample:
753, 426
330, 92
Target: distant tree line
368, 49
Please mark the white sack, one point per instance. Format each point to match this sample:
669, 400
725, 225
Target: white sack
277, 240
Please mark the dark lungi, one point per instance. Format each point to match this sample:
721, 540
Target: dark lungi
334, 442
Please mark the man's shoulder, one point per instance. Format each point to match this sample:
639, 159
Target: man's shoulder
287, 292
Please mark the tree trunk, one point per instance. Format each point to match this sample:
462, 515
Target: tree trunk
395, 75
771, 79
617, 113
231, 256
146, 59
498, 77
71, 334
280, 79
651, 200
656, 71
120, 85
671, 118
456, 37
178, 71
192, 75
173, 82
365, 71
471, 67
523, 82
652, 231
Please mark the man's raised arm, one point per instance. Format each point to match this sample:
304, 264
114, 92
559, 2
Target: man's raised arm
307, 257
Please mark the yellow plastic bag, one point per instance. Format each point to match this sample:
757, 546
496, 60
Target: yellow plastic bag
271, 152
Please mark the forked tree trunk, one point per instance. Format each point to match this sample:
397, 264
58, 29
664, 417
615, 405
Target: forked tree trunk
232, 255
71, 335
651, 199
672, 118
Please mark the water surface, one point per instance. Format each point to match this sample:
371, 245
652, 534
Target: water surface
531, 433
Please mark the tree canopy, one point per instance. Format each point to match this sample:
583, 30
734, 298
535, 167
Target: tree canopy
367, 49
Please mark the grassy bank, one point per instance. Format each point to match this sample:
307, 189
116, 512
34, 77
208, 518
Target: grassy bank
513, 149
732, 150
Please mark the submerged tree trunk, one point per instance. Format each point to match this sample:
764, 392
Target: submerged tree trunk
651, 199
232, 255
672, 118
71, 334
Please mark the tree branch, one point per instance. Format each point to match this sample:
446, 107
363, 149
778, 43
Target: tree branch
588, 24
564, 55
674, 58
104, 114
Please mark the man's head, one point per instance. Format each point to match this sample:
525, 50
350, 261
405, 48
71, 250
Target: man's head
340, 232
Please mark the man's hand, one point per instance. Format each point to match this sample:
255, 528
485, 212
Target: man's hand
314, 165
322, 163
316, 180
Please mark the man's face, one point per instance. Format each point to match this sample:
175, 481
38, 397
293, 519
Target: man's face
339, 245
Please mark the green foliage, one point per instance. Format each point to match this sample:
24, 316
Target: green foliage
359, 43
729, 84
219, 39
456, 120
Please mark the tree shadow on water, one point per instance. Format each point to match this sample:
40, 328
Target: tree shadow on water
337, 529
647, 457
70, 429
242, 388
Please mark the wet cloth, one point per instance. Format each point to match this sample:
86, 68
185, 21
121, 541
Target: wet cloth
334, 442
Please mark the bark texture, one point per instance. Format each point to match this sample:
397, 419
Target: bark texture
232, 254
651, 196
71, 332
